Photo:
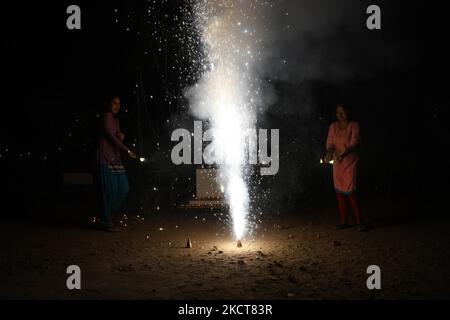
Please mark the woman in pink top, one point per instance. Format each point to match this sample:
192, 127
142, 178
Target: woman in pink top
342, 143
110, 177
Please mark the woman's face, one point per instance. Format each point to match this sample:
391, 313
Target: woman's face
115, 105
341, 113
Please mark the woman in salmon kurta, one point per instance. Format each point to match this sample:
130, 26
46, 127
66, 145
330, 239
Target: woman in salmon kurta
342, 143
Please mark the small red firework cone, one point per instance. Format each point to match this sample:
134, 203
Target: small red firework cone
188, 244
239, 244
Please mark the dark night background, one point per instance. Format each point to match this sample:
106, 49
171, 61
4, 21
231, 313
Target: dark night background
54, 83
55, 80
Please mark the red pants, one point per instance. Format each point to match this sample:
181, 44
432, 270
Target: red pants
342, 205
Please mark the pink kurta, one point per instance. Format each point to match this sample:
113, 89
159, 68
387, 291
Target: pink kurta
109, 145
344, 173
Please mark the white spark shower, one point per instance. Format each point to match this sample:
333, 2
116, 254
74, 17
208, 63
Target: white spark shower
226, 94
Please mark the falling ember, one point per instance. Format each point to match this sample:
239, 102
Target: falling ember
226, 95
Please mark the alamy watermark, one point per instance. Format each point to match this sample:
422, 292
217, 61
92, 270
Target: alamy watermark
374, 20
74, 279
256, 148
374, 280
73, 21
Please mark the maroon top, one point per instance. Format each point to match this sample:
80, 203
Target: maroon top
109, 145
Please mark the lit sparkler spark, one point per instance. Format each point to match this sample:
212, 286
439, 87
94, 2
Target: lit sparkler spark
322, 162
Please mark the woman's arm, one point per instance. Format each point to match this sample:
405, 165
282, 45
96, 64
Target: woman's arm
108, 126
330, 138
330, 144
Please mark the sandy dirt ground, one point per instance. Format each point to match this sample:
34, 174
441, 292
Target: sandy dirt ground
294, 257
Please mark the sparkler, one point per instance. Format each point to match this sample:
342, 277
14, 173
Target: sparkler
322, 162
227, 92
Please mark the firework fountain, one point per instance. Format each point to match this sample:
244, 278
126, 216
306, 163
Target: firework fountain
227, 94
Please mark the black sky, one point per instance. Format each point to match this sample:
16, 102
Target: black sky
52, 75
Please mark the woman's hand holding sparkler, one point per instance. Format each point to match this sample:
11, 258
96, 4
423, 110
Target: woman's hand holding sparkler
132, 154
328, 157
